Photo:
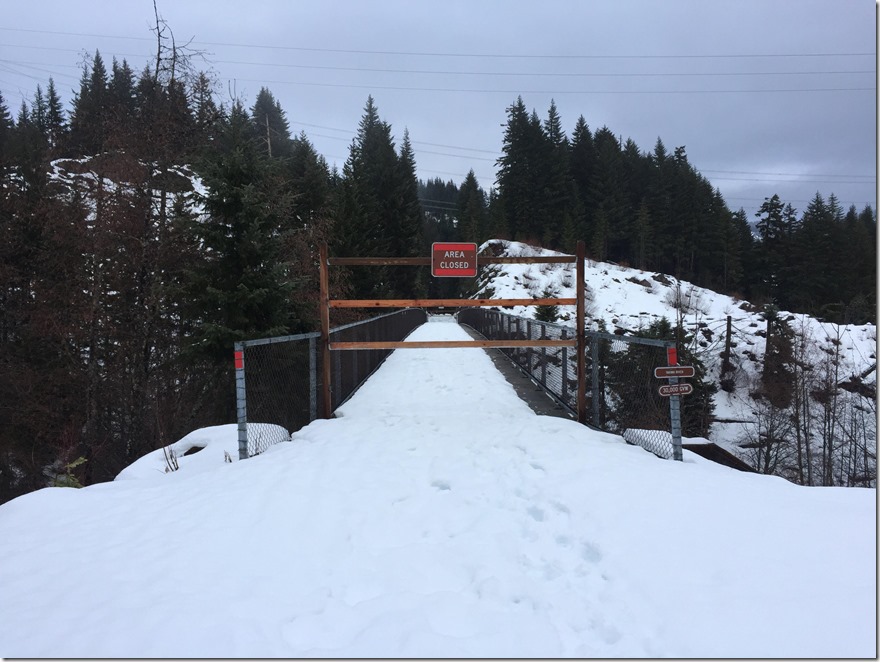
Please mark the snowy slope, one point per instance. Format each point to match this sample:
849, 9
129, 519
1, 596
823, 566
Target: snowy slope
425, 522
628, 299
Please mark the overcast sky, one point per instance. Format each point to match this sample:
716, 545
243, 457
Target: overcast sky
767, 96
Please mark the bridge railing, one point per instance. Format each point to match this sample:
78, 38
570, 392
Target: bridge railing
622, 392
279, 381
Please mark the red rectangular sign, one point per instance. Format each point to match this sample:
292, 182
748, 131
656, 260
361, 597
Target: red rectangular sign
675, 389
239, 360
674, 371
454, 260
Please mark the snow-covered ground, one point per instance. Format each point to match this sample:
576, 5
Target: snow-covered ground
438, 516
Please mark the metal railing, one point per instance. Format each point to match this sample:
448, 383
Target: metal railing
622, 393
278, 380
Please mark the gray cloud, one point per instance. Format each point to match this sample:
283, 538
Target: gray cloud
644, 69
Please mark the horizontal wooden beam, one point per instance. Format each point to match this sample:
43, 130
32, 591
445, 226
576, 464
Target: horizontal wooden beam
426, 261
379, 261
446, 303
532, 259
449, 344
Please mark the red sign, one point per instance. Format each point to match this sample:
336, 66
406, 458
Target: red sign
674, 371
671, 356
239, 360
675, 389
454, 260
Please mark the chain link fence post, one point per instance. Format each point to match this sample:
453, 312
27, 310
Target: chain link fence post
241, 402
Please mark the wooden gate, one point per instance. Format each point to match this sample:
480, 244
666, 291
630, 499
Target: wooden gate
579, 341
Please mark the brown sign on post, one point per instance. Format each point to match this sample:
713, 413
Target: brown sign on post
675, 389
674, 371
454, 260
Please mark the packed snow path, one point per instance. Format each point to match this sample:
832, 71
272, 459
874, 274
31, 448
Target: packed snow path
439, 517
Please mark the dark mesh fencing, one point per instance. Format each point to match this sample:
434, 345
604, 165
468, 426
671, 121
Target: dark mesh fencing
622, 392
280, 389
279, 384
350, 368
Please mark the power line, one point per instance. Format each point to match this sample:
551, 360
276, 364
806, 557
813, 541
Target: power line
566, 56
414, 142
578, 74
552, 92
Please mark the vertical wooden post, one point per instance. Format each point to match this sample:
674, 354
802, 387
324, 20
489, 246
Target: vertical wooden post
327, 407
581, 337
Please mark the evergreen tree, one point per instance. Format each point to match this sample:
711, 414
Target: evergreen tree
310, 179
607, 190
776, 375
238, 287
205, 111
56, 126
556, 190
518, 168
405, 226
378, 204
472, 210
545, 312
270, 122
89, 116
582, 162
121, 102
774, 234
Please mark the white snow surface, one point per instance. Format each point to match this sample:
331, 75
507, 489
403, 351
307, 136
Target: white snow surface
437, 516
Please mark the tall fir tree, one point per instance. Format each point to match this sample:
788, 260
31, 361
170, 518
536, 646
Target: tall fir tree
270, 122
238, 287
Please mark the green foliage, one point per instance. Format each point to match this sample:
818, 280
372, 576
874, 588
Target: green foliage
378, 209
239, 287
544, 312
630, 377
66, 477
777, 374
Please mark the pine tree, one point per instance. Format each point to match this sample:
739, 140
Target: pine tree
238, 288
610, 219
517, 169
774, 237
271, 123
582, 161
89, 116
7, 128
56, 126
556, 189
378, 199
472, 210
544, 312
405, 227
776, 375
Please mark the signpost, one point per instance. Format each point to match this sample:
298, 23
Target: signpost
674, 371
453, 260
673, 390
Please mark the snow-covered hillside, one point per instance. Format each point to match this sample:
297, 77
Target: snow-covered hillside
627, 299
438, 517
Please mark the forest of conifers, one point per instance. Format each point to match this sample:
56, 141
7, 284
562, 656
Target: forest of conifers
147, 227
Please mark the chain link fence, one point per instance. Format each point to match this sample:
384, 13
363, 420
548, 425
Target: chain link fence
622, 395
279, 380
